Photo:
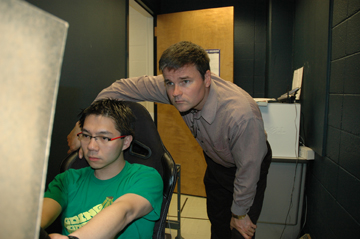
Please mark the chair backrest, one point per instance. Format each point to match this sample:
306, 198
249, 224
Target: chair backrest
148, 149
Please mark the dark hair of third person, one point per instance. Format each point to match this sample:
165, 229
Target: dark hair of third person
185, 53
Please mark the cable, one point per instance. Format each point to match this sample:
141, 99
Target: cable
297, 133
303, 225
296, 165
291, 199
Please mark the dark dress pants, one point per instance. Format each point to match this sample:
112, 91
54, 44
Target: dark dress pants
219, 186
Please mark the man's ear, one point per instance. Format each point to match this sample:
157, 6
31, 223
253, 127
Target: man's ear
127, 141
207, 78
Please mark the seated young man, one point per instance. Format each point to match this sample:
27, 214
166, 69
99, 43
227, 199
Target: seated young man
112, 198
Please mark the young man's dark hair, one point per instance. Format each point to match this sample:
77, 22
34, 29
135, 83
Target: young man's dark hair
114, 109
185, 53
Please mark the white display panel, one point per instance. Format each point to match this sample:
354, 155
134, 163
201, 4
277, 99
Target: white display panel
32, 45
282, 121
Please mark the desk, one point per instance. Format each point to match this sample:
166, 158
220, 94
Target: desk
283, 203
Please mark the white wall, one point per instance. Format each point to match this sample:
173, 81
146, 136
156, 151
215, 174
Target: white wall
141, 45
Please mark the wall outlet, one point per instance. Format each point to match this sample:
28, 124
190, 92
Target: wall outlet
306, 153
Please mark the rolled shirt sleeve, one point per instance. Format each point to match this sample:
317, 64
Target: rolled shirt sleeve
248, 150
143, 88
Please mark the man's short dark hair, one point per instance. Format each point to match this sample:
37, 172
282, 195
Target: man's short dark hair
185, 53
114, 109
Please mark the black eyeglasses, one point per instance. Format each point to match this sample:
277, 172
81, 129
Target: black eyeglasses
86, 138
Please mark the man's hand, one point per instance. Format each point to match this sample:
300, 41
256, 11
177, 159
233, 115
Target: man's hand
73, 140
244, 226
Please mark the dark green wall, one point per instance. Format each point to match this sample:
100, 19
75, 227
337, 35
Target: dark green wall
333, 186
95, 56
250, 27
311, 43
279, 47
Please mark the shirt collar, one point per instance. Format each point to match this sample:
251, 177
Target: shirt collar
208, 112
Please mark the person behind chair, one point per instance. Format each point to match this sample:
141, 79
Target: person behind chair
111, 198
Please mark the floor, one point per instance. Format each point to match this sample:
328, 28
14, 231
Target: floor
194, 221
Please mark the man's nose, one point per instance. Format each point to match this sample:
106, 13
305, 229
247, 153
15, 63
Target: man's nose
93, 144
177, 91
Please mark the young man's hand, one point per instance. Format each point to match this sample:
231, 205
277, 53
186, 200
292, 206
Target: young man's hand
244, 226
57, 236
73, 140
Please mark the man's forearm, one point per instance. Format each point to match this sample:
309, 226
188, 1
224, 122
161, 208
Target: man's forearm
248, 154
144, 88
50, 211
104, 225
111, 220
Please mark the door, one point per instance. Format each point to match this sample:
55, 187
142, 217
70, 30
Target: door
211, 29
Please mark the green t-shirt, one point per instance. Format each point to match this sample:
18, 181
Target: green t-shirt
81, 196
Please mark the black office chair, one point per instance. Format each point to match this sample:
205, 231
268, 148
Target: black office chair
148, 149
